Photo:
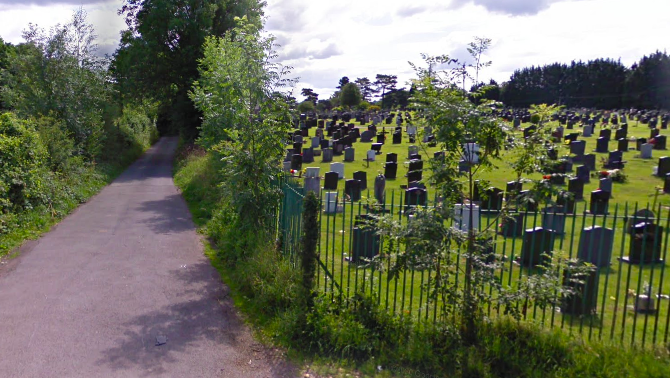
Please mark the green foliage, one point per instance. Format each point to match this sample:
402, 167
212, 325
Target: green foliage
306, 106
310, 239
350, 95
159, 53
59, 145
246, 117
21, 158
58, 75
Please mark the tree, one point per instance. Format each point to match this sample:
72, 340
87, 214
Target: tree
159, 53
476, 49
306, 106
58, 74
385, 83
7, 50
324, 105
343, 81
310, 95
350, 95
366, 87
242, 95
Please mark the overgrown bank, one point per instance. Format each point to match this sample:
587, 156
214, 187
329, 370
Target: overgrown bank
269, 290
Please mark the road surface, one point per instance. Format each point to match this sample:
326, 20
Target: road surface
124, 273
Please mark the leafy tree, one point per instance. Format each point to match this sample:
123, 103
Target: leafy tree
648, 84
385, 83
306, 106
59, 75
350, 95
242, 94
343, 81
310, 95
323, 105
476, 49
159, 53
366, 87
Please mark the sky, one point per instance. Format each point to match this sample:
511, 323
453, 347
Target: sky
326, 40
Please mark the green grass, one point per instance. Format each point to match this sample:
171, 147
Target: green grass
504, 348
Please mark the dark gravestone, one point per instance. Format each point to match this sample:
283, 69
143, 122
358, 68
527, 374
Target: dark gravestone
552, 154
349, 154
553, 218
595, 246
663, 166
413, 176
491, 200
660, 142
289, 154
381, 138
330, 181
380, 188
646, 241
327, 155
583, 299
390, 170
308, 155
366, 136
397, 138
589, 160
415, 165
666, 183
599, 202
615, 160
416, 197
566, 200
325, 143
601, 145
377, 148
583, 174
606, 133
352, 188
621, 134
296, 162
362, 176
639, 142
622, 145
528, 131
578, 147
576, 187
537, 242
653, 133
366, 244
513, 188
391, 157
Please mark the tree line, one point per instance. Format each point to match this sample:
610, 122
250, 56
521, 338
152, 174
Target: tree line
599, 83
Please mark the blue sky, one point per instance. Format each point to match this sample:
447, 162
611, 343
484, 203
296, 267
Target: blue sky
325, 40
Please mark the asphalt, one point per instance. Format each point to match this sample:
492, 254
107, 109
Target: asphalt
123, 273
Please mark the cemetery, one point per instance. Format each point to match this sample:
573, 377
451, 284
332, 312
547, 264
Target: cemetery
611, 210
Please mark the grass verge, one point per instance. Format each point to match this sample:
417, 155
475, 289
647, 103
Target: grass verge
356, 337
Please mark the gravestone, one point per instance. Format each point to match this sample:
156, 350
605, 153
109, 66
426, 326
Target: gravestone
471, 153
587, 131
289, 154
415, 157
371, 155
646, 243
412, 150
338, 148
324, 143
362, 176
331, 201
595, 246
296, 162
316, 142
583, 174
365, 244
536, 242
589, 160
566, 200
339, 168
352, 188
308, 155
615, 160
621, 134
660, 142
377, 148
512, 226
313, 183
663, 166
287, 166
492, 200
462, 215
390, 170
327, 155
576, 187
606, 133
330, 181
639, 142
583, 299
391, 157
366, 136
397, 137
512, 188
297, 139
602, 145
578, 147
528, 131
380, 188
415, 197
599, 202
646, 151
653, 133
666, 183
553, 218
349, 154
605, 184
622, 145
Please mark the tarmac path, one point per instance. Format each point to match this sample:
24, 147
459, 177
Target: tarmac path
123, 273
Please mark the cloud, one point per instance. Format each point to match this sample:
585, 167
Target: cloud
410, 10
315, 49
511, 7
52, 2
284, 15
